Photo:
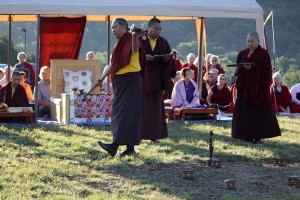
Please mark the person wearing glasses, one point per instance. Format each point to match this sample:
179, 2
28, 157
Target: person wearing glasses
219, 96
158, 64
254, 118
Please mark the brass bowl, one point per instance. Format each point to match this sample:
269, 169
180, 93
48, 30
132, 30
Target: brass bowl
230, 184
156, 166
216, 164
278, 162
297, 182
188, 174
209, 162
291, 180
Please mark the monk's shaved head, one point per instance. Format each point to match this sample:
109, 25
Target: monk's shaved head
254, 35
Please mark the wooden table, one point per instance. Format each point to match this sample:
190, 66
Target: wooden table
29, 116
212, 111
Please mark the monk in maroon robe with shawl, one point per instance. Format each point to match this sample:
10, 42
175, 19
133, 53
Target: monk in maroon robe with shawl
127, 64
280, 95
154, 125
254, 118
219, 95
14, 95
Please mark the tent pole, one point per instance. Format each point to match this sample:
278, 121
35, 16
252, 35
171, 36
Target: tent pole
108, 49
37, 67
199, 23
9, 47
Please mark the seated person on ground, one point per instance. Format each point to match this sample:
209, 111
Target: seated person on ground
90, 55
176, 61
44, 93
185, 92
214, 64
190, 65
1, 73
4, 81
27, 68
295, 92
167, 95
214, 79
280, 95
13, 94
219, 95
26, 87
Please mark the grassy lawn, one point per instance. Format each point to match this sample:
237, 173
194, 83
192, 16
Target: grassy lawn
66, 163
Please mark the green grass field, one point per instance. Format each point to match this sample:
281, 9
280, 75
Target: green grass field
66, 162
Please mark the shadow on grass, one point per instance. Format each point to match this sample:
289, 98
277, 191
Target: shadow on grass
18, 138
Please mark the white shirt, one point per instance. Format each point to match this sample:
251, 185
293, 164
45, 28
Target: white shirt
294, 90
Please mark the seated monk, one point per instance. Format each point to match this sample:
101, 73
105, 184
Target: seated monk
185, 92
13, 94
214, 64
26, 87
219, 95
280, 95
295, 92
190, 65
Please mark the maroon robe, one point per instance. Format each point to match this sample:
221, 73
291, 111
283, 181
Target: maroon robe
128, 92
192, 67
284, 100
19, 99
221, 97
295, 108
253, 116
177, 64
218, 67
154, 125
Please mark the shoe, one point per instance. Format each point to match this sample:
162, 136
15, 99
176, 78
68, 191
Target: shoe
108, 148
256, 141
128, 153
155, 141
249, 140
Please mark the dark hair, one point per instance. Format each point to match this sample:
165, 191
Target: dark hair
16, 73
153, 20
122, 22
184, 70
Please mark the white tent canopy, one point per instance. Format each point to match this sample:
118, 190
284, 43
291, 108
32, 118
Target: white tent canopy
99, 9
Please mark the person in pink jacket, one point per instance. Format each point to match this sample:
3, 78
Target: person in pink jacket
185, 92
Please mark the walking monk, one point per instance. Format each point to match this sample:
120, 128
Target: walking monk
127, 64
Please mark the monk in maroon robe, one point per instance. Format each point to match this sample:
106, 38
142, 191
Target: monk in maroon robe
127, 64
27, 68
154, 125
190, 65
280, 95
219, 95
254, 118
14, 94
